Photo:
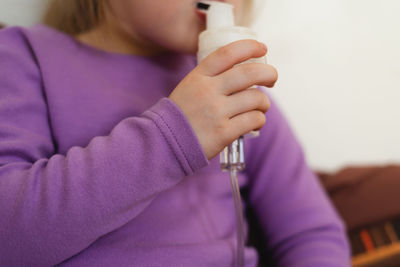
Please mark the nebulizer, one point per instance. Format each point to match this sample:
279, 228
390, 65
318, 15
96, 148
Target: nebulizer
220, 31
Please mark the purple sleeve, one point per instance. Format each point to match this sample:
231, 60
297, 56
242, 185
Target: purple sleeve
53, 206
299, 222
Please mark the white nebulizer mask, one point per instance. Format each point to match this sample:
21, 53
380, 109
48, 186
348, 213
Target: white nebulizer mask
220, 31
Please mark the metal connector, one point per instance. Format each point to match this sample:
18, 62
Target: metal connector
233, 156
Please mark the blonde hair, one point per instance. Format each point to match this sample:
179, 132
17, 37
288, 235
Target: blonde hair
77, 16
74, 16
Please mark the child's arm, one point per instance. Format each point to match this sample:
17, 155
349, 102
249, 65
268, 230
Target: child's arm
53, 206
299, 223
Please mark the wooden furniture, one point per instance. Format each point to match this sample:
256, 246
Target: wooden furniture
367, 198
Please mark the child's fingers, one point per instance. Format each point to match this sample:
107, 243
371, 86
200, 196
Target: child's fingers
246, 75
247, 122
228, 56
247, 100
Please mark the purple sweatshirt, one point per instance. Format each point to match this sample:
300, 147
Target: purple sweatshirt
99, 168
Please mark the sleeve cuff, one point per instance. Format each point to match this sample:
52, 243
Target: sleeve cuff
179, 135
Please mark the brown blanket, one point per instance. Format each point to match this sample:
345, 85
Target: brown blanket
365, 195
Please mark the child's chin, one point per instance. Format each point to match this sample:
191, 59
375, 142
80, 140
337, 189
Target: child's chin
185, 49
192, 50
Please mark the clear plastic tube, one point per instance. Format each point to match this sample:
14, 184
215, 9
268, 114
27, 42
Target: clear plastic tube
232, 160
239, 216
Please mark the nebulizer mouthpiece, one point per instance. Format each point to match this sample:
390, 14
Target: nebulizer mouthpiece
219, 14
220, 31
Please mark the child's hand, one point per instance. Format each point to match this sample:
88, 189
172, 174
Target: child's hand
214, 98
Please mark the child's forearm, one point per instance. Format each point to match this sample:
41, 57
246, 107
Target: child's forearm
55, 207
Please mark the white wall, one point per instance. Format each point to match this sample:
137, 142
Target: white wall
339, 65
21, 12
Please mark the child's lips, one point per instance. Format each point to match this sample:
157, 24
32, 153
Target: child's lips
201, 15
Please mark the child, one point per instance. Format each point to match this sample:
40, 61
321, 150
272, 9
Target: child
108, 141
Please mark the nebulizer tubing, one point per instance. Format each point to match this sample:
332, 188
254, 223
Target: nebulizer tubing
220, 31
239, 217
235, 153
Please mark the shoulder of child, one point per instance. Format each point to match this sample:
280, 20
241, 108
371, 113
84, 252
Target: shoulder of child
15, 50
25, 40
13, 38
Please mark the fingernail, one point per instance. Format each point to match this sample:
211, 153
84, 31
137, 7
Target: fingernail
264, 46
